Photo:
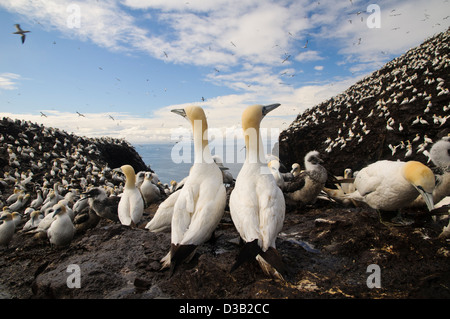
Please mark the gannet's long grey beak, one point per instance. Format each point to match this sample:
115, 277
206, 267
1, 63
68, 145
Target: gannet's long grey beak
427, 197
181, 112
266, 109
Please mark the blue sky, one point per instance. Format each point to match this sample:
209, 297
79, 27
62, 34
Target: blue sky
128, 62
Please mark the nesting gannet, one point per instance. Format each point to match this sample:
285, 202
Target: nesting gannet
226, 175
62, 230
296, 169
201, 202
305, 187
344, 185
7, 229
257, 204
440, 156
37, 202
103, 205
33, 222
21, 32
274, 167
150, 192
16, 218
131, 205
163, 215
391, 185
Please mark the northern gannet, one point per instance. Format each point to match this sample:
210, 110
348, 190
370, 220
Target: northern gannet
21, 32
201, 202
274, 167
16, 218
226, 175
305, 187
150, 192
103, 205
7, 229
62, 230
257, 204
37, 202
392, 185
33, 222
344, 185
131, 205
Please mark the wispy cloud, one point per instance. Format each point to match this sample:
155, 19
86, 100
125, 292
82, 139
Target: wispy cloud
249, 46
8, 81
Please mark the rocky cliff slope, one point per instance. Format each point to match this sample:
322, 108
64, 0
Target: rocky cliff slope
395, 113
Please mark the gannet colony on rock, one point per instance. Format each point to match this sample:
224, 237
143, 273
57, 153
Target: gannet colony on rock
388, 135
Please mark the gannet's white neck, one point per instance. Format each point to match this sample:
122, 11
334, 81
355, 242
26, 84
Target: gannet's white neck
202, 153
251, 119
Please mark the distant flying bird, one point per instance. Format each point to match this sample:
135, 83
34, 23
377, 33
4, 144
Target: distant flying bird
79, 114
165, 54
285, 59
112, 118
100, 68
21, 32
306, 45
233, 43
42, 114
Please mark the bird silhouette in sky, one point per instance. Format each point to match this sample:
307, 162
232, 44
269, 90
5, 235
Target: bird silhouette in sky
21, 32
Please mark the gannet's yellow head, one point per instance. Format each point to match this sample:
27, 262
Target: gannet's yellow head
251, 119
253, 115
274, 164
348, 173
35, 214
193, 113
196, 116
6, 217
295, 169
60, 209
130, 175
422, 178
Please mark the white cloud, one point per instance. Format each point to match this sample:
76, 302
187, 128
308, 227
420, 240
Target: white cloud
247, 40
223, 114
308, 56
8, 81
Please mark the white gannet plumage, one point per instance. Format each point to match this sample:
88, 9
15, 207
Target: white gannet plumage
61, 230
7, 229
163, 215
440, 156
201, 202
131, 205
33, 222
257, 205
150, 192
391, 185
274, 166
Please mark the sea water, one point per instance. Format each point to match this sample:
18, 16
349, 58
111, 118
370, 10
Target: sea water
172, 161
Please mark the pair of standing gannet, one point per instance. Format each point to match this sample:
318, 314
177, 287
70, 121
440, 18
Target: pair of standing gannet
256, 204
